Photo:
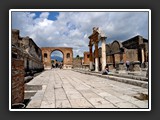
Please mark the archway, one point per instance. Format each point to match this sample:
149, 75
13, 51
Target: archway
67, 56
57, 59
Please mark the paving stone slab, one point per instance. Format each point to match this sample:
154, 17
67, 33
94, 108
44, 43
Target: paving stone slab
63, 104
60, 94
48, 104
106, 106
80, 103
69, 89
34, 104
125, 105
98, 101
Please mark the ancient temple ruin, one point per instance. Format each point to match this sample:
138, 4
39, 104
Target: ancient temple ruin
134, 50
95, 37
25, 48
116, 54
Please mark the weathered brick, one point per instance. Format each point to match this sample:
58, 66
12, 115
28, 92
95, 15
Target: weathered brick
17, 81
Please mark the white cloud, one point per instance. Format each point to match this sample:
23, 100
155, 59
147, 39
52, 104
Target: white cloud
44, 15
57, 53
71, 29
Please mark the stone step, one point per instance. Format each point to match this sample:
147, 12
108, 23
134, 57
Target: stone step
136, 82
29, 94
32, 87
131, 75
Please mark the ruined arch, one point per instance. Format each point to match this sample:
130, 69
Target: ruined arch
115, 46
67, 62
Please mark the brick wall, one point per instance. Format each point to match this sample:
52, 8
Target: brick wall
17, 81
109, 59
131, 55
77, 62
86, 58
117, 58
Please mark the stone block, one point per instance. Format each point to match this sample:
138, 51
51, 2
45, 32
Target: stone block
136, 66
110, 66
63, 104
80, 103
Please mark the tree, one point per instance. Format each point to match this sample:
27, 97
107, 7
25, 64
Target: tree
77, 56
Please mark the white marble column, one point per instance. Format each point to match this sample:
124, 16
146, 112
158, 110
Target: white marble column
103, 53
96, 57
142, 51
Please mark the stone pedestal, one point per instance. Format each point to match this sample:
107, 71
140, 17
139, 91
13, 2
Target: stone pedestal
67, 66
86, 67
146, 64
110, 66
91, 65
121, 66
136, 66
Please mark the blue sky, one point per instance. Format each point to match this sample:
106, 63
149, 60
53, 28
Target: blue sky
51, 16
71, 29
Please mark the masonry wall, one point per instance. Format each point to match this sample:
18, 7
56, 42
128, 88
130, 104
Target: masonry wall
31, 48
77, 63
17, 81
117, 58
108, 59
26, 58
131, 55
26, 49
15, 37
86, 58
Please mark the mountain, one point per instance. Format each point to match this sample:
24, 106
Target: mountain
56, 58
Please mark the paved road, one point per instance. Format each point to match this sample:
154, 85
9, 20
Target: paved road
69, 89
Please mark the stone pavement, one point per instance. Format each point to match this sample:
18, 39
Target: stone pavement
70, 89
120, 77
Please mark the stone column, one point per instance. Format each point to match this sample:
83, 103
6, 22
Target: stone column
142, 51
103, 53
90, 57
96, 57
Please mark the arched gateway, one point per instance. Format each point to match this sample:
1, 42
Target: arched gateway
67, 56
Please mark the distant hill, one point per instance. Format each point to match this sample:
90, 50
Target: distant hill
56, 58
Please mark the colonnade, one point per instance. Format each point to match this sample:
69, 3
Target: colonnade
95, 37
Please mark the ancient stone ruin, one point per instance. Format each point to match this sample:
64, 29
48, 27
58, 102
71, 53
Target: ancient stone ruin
25, 48
116, 54
26, 61
67, 56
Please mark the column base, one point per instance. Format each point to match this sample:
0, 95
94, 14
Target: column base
96, 65
91, 66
